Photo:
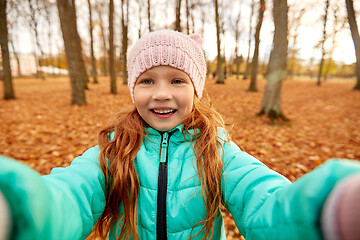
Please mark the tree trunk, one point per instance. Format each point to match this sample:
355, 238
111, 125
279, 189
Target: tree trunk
177, 13
187, 17
356, 39
323, 44
220, 70
255, 59
113, 89
93, 60
140, 18
149, 14
238, 60
47, 7
247, 68
105, 49
8, 86
124, 25
82, 64
271, 103
32, 25
72, 45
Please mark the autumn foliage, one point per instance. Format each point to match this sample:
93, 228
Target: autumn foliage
43, 130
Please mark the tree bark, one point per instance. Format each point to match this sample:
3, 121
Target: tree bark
356, 39
93, 60
220, 70
323, 44
177, 13
75, 62
82, 64
8, 86
255, 59
113, 89
271, 103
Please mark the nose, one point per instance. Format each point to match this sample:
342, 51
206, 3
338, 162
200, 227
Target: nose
162, 92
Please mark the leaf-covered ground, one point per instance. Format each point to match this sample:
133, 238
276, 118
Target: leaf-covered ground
41, 129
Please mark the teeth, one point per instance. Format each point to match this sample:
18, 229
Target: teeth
164, 111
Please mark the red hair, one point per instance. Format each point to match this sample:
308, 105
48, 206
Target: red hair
122, 182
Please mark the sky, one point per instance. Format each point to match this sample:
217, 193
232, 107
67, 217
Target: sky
310, 31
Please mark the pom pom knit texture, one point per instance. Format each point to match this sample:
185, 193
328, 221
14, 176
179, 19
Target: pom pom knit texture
168, 48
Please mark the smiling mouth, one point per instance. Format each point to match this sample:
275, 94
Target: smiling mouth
163, 112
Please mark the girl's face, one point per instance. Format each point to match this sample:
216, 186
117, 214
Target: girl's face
164, 97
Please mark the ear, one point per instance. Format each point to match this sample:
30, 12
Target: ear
197, 38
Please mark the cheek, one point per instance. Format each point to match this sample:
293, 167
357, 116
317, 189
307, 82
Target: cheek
139, 102
188, 102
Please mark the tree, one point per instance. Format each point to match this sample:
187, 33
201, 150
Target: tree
13, 17
93, 60
271, 103
177, 14
220, 71
338, 24
204, 16
295, 15
236, 28
124, 27
139, 3
190, 14
113, 89
322, 43
75, 62
255, 58
8, 86
250, 36
149, 14
48, 8
33, 19
356, 39
100, 8
187, 16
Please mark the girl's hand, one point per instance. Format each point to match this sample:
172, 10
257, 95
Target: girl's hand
5, 218
341, 212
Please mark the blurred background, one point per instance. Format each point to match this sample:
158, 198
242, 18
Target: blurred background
319, 36
284, 74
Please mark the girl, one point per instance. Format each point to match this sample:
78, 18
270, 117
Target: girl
162, 170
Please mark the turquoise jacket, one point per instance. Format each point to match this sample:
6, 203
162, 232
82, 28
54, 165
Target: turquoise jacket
264, 204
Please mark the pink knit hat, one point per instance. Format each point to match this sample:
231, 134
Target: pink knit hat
168, 48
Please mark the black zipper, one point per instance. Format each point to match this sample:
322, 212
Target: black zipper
161, 228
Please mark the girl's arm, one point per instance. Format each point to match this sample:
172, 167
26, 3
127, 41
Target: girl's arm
62, 205
265, 205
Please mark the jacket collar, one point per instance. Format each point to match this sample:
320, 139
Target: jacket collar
176, 133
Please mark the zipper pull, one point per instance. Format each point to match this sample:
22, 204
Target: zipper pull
164, 145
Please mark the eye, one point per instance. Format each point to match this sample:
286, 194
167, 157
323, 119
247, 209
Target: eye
177, 81
146, 81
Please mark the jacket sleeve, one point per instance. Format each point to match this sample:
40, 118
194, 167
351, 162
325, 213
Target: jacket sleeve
62, 205
265, 205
